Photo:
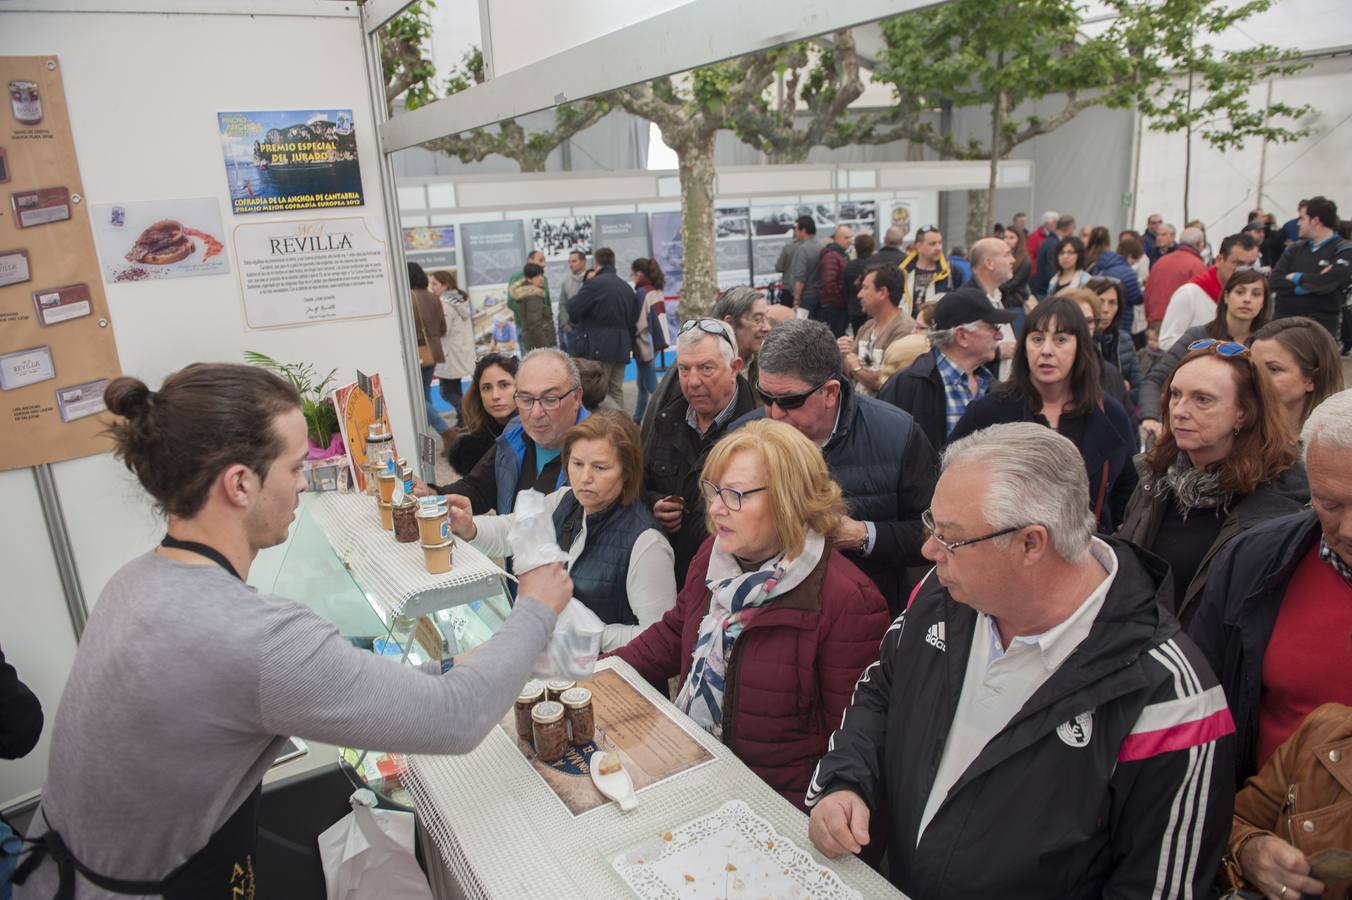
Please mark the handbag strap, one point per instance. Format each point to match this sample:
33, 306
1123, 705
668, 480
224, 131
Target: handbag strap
1102, 494
417, 314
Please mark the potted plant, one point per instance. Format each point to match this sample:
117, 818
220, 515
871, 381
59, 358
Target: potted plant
321, 417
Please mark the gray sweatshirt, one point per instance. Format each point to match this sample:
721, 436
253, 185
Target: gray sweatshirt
186, 684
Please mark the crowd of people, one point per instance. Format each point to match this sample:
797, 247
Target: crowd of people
1114, 481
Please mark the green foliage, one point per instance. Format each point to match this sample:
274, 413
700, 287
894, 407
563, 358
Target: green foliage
410, 29
321, 417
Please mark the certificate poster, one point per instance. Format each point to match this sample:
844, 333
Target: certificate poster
298, 272
627, 235
732, 246
155, 239
652, 745
668, 249
57, 352
290, 159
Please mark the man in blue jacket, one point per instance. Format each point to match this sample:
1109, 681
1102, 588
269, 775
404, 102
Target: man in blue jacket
1037, 725
604, 322
1312, 277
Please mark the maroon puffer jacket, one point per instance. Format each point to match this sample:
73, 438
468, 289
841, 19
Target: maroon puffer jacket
791, 672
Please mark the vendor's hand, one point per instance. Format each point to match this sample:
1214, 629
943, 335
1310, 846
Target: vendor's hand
549, 584
421, 488
845, 345
839, 824
1152, 427
849, 533
668, 514
1277, 869
462, 517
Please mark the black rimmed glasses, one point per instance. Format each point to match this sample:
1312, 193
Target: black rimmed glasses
549, 402
927, 520
731, 497
1220, 348
708, 326
789, 401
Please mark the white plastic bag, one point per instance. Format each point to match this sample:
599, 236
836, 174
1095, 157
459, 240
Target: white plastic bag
576, 641
368, 855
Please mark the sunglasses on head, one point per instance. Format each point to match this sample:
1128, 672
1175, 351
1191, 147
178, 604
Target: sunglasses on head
1220, 348
789, 401
708, 326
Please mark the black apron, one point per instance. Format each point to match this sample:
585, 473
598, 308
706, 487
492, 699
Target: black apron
224, 868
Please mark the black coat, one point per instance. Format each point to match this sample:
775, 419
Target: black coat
1324, 277
1046, 267
1081, 794
1237, 612
887, 470
919, 390
602, 316
20, 714
1104, 438
672, 461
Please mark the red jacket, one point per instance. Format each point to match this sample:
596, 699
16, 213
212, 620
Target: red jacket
831, 272
1168, 274
791, 672
1035, 240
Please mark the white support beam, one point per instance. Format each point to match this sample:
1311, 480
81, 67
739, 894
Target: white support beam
376, 13
696, 34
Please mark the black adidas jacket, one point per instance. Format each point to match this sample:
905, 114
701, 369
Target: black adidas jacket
1133, 800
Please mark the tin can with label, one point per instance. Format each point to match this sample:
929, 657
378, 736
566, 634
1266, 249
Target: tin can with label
24, 100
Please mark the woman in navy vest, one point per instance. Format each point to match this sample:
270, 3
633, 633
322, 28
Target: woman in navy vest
622, 566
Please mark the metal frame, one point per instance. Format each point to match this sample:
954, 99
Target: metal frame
62, 549
689, 38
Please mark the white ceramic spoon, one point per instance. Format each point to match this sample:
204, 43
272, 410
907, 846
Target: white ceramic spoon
616, 785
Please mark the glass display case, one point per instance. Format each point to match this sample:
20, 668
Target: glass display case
340, 563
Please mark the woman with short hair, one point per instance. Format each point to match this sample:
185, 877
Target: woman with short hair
1300, 359
1070, 267
1224, 462
1244, 308
485, 409
1055, 381
622, 566
773, 626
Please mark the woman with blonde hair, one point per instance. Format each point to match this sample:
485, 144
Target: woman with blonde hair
773, 627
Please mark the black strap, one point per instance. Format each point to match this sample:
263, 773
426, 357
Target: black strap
210, 553
51, 844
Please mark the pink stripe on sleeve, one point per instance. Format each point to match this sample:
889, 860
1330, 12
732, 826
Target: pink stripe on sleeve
1176, 737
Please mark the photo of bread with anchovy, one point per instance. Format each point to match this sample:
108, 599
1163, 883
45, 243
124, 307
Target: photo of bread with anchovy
161, 244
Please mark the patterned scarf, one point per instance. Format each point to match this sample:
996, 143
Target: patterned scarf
736, 596
1194, 488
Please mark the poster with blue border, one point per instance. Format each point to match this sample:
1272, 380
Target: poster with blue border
289, 160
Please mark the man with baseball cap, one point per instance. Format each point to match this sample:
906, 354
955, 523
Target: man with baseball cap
965, 337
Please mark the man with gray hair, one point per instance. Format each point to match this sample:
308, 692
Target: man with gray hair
1276, 614
685, 428
526, 454
1171, 272
883, 463
1036, 724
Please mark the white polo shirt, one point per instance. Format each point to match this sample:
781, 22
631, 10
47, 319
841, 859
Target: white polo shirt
1000, 680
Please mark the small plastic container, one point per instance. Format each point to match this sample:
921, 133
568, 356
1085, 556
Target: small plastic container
386, 516
532, 692
386, 480
434, 525
406, 521
549, 730
437, 557
555, 688
577, 712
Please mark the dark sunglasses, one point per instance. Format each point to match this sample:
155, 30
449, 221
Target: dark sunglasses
708, 326
1220, 348
789, 401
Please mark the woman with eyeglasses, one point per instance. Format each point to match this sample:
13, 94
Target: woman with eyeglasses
1300, 359
1055, 381
1224, 462
1070, 268
1243, 310
622, 566
773, 627
485, 409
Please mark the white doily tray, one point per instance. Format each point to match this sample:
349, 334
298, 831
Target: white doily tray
731, 854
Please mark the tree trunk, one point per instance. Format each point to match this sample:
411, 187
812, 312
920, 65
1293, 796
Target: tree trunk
978, 211
997, 120
700, 276
1187, 151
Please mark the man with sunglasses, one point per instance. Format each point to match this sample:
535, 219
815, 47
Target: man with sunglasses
1037, 724
1195, 302
883, 463
713, 395
526, 454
